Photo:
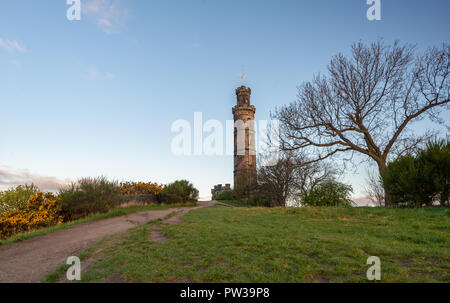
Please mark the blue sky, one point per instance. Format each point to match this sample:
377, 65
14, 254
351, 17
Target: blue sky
98, 96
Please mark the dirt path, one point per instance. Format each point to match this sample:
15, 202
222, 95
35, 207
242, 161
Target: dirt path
32, 259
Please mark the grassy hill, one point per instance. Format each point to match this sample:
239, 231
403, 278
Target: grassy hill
223, 244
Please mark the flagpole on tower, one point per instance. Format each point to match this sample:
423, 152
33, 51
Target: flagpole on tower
243, 76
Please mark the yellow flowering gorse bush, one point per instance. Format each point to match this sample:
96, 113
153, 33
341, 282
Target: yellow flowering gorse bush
140, 188
42, 210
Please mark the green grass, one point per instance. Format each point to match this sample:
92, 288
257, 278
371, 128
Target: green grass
223, 244
111, 214
235, 203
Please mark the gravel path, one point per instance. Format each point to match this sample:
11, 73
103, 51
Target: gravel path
33, 259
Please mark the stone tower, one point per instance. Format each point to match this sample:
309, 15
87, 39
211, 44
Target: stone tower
244, 139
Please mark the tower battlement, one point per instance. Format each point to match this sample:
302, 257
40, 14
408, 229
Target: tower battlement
243, 90
243, 94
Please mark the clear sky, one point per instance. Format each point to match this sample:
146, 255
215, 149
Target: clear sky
98, 96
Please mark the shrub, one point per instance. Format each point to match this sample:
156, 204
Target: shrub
260, 200
328, 193
421, 179
400, 182
89, 196
140, 191
227, 195
179, 192
16, 198
140, 188
434, 162
252, 199
42, 210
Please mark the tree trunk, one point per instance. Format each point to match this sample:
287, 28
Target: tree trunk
387, 196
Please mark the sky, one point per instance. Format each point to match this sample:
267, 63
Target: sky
98, 96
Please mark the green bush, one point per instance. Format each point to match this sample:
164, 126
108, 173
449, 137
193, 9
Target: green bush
253, 199
16, 198
421, 179
328, 193
181, 191
434, 162
89, 196
400, 181
260, 200
227, 195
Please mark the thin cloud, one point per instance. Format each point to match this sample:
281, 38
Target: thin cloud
94, 74
16, 63
110, 76
10, 178
194, 45
12, 46
109, 15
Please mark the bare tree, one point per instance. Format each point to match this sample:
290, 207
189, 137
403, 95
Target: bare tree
367, 102
292, 175
375, 189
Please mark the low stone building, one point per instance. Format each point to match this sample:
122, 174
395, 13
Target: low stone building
219, 189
